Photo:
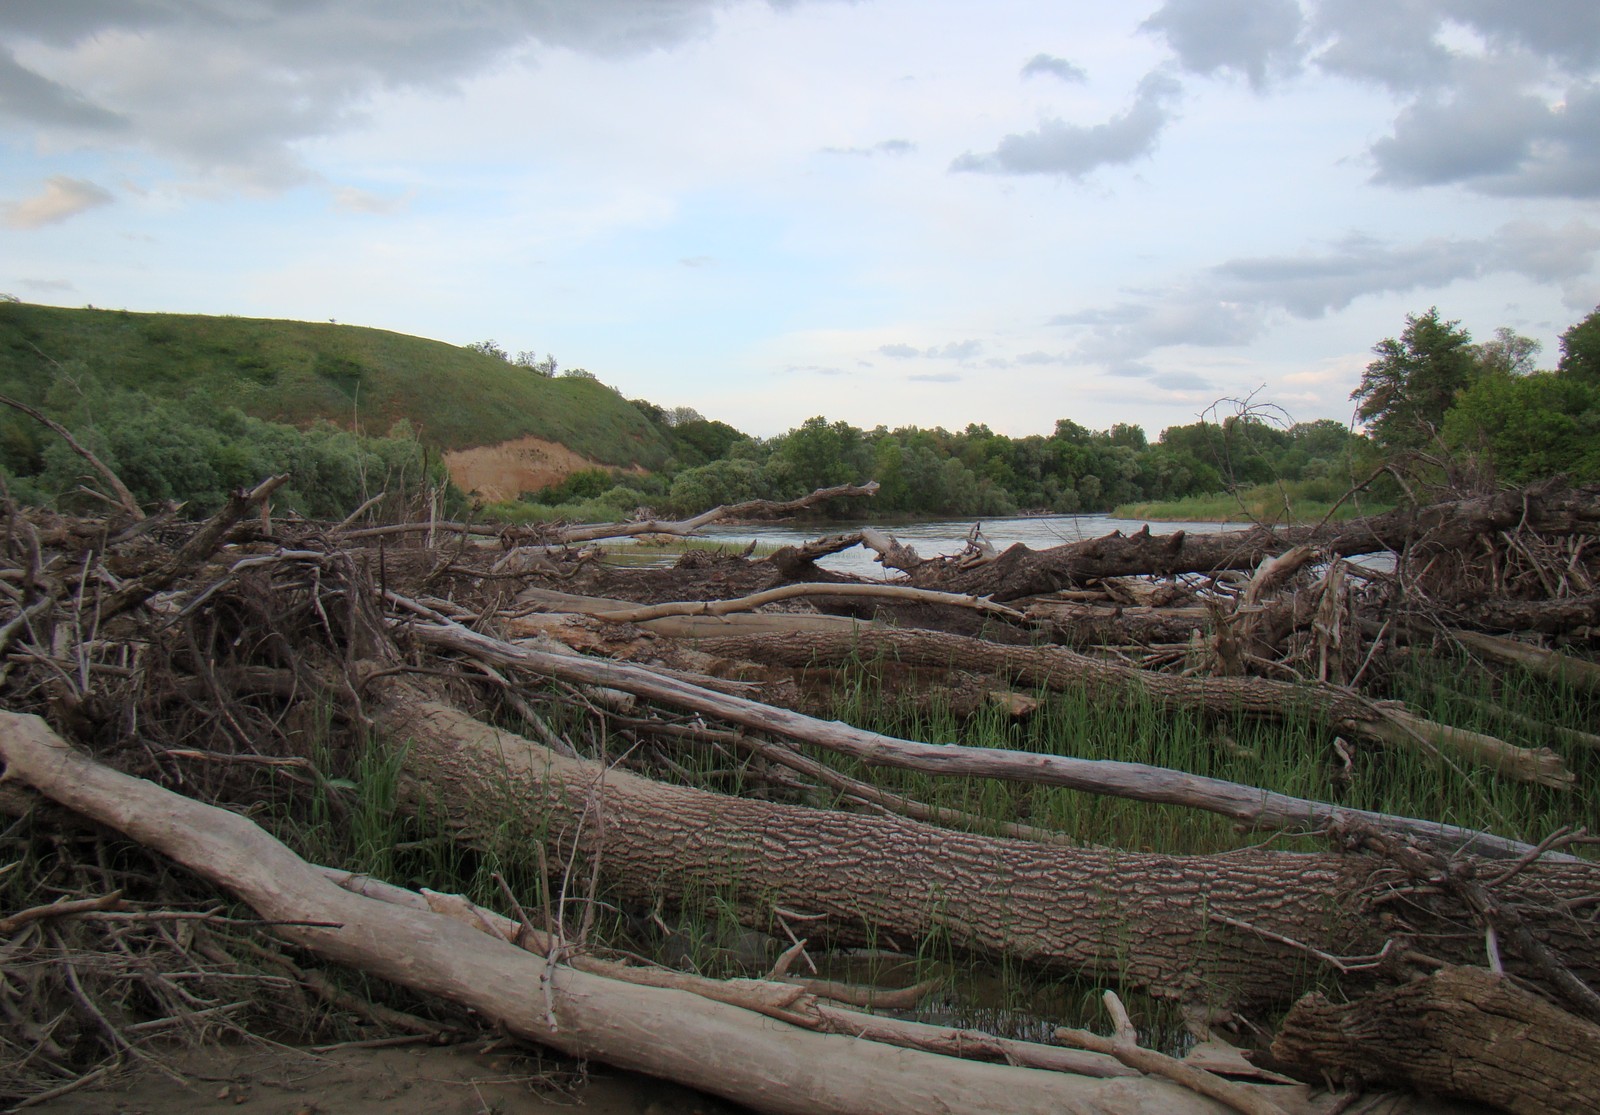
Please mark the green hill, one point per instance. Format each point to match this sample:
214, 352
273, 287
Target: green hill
297, 372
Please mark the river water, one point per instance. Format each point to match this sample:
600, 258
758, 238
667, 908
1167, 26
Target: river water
948, 536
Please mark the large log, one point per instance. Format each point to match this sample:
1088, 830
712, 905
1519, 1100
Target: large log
710, 1045
1237, 927
1461, 1032
1453, 526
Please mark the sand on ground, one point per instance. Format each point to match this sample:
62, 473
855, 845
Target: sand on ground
261, 1079
524, 464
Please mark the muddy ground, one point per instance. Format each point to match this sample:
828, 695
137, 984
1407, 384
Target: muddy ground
453, 1080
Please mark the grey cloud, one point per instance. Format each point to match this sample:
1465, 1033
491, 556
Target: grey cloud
61, 198
1483, 120
1234, 302
1181, 381
24, 95
1391, 42
884, 147
1495, 139
1545, 254
1055, 67
1075, 150
1309, 286
935, 377
954, 350
1129, 369
1566, 30
958, 350
1256, 38
229, 87
1038, 356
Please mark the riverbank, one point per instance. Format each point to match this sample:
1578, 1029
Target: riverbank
1267, 506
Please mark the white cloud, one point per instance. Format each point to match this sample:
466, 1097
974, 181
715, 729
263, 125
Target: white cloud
350, 199
62, 198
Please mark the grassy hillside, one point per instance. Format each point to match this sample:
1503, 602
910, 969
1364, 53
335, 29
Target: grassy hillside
297, 372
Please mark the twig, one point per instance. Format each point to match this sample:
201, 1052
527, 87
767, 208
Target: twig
124, 498
357, 513
1343, 964
1560, 838
1149, 1061
60, 910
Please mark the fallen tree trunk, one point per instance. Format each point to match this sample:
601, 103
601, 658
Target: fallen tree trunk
1452, 526
1461, 1032
671, 1033
1059, 668
1249, 805
1238, 926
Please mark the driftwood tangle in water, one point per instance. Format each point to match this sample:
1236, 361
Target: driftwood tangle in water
207, 657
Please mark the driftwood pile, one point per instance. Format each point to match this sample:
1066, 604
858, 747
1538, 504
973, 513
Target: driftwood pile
203, 688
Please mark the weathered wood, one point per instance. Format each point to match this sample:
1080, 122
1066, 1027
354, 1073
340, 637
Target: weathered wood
642, 612
1549, 617
1086, 624
1461, 1032
1249, 805
1549, 663
1448, 526
200, 546
672, 1033
1181, 926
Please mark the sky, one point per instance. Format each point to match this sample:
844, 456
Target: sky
896, 212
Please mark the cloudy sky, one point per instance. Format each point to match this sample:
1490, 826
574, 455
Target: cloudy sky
887, 211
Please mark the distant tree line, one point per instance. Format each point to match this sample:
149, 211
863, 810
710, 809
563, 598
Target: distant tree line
1433, 398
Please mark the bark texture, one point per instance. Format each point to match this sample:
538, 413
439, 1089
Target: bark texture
1459, 1032
1197, 927
757, 1061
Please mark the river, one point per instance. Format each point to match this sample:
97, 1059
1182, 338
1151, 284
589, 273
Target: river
947, 536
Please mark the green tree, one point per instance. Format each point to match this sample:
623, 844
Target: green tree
1580, 350
1508, 354
1406, 391
1530, 427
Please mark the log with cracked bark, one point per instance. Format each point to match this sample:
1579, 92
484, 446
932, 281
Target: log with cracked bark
720, 1048
1239, 926
1462, 1032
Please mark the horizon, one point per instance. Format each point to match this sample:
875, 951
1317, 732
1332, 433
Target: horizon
891, 213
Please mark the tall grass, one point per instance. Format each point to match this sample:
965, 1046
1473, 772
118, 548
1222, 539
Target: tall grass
367, 832
1294, 755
